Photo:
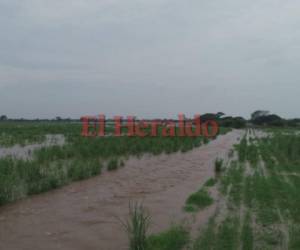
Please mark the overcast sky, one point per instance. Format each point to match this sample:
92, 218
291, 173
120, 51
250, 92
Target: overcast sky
150, 58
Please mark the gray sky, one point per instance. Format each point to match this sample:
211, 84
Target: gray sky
150, 58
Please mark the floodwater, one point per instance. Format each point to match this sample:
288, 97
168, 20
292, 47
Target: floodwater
86, 215
25, 152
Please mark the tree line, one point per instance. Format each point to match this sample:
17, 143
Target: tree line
258, 118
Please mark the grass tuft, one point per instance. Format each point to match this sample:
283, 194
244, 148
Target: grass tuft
218, 165
137, 226
173, 239
210, 182
198, 200
112, 164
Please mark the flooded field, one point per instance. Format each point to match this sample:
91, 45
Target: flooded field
84, 215
235, 191
25, 151
149, 125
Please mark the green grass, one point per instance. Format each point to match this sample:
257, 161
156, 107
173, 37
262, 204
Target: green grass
294, 232
112, 164
173, 239
219, 237
218, 166
137, 227
23, 133
19, 179
247, 234
206, 240
122, 163
227, 236
198, 200
210, 182
109, 147
263, 202
241, 149
80, 170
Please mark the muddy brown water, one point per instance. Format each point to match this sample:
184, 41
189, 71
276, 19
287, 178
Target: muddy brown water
85, 215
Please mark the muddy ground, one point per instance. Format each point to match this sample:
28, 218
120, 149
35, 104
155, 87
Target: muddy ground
85, 215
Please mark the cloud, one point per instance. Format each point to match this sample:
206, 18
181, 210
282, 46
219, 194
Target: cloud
155, 58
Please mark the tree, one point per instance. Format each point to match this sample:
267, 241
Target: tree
3, 118
259, 113
220, 114
293, 122
271, 120
208, 116
233, 122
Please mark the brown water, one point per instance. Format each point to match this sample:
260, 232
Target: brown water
85, 215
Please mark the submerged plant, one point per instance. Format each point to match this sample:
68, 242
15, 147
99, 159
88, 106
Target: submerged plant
210, 182
137, 226
112, 164
174, 238
200, 199
218, 165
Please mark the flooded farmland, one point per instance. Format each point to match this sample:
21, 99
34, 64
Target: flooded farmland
87, 214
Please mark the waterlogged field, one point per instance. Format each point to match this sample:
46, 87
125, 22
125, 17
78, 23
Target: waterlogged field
247, 196
52, 166
259, 202
23, 133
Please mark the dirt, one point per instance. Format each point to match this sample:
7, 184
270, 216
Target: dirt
85, 215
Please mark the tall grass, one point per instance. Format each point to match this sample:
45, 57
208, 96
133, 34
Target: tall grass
174, 238
137, 227
34, 132
264, 184
19, 178
218, 165
112, 164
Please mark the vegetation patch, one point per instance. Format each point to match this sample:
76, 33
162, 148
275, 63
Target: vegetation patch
79, 158
218, 165
263, 208
112, 164
137, 226
210, 182
173, 239
198, 200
